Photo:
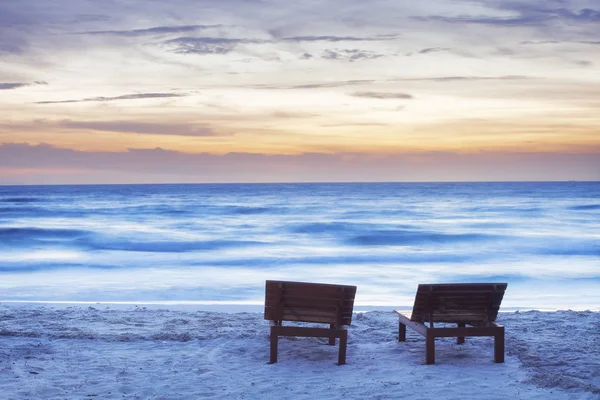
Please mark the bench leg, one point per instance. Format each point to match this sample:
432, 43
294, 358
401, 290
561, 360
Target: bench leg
342, 352
331, 338
401, 332
460, 339
499, 345
429, 348
274, 340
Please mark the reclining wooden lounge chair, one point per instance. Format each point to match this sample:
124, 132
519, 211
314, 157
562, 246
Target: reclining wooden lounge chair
309, 302
473, 304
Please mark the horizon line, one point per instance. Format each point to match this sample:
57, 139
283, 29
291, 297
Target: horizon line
294, 183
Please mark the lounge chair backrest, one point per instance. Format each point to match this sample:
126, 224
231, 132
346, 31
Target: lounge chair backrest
309, 302
473, 303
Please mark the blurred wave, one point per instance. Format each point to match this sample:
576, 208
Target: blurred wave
387, 236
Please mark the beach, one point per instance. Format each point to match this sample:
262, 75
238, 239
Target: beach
176, 352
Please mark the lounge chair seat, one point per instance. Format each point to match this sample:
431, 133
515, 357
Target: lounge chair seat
309, 302
472, 306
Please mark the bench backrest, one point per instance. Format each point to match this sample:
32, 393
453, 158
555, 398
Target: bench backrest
309, 302
474, 303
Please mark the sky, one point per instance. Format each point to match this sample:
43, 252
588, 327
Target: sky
148, 91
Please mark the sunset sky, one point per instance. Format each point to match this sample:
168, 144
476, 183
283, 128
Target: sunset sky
142, 91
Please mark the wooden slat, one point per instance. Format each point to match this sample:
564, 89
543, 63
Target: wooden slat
305, 294
305, 332
467, 302
458, 286
467, 331
321, 290
417, 326
309, 302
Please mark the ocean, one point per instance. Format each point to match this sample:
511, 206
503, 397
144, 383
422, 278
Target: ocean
218, 243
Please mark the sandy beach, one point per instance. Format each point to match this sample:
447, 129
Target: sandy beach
138, 352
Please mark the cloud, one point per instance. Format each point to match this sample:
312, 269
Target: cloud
466, 78
350, 55
213, 45
382, 95
433, 50
160, 165
157, 30
122, 126
502, 21
540, 42
357, 82
207, 45
328, 84
124, 97
9, 86
334, 38
293, 115
528, 14
355, 124
140, 127
583, 15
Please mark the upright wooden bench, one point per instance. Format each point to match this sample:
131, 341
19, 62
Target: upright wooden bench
472, 306
309, 302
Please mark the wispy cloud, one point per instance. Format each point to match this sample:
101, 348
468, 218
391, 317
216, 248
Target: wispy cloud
335, 38
140, 127
157, 30
502, 21
207, 45
9, 86
189, 129
382, 95
433, 50
16, 85
293, 115
219, 45
527, 14
582, 15
534, 42
354, 124
350, 55
359, 82
466, 78
116, 98
327, 84
540, 42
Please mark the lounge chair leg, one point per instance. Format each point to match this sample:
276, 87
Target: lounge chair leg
274, 340
499, 345
460, 339
401, 332
331, 338
342, 352
429, 348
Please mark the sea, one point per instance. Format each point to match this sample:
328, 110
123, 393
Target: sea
218, 243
